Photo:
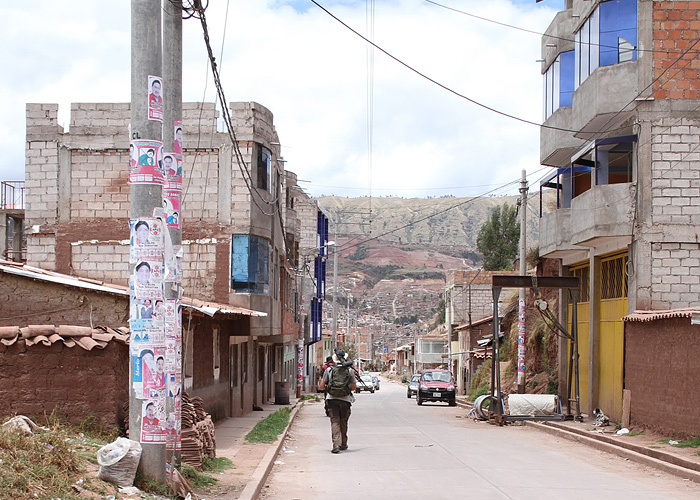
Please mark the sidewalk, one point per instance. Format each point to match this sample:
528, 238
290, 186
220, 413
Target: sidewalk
252, 462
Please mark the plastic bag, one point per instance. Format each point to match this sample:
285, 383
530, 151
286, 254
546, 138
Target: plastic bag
118, 461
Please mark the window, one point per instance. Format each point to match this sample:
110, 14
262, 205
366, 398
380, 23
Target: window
618, 31
609, 36
215, 352
250, 257
264, 162
559, 83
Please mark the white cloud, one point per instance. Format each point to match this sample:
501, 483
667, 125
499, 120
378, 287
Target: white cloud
312, 73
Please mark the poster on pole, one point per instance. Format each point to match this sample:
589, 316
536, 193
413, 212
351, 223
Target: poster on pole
177, 134
155, 98
147, 239
152, 419
146, 162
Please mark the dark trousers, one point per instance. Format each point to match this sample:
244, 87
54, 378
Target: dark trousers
340, 414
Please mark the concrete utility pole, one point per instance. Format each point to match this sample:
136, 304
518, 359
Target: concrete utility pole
172, 196
335, 289
146, 197
521, 291
448, 323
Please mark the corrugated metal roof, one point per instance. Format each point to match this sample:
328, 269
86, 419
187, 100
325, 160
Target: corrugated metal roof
644, 316
208, 308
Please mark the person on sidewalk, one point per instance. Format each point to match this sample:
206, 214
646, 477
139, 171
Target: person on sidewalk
339, 383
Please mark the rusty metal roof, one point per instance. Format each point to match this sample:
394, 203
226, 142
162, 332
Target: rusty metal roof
644, 316
205, 307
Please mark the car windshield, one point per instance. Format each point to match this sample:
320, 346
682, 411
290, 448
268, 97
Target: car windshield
437, 377
366, 378
415, 378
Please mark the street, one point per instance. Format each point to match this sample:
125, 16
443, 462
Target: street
398, 449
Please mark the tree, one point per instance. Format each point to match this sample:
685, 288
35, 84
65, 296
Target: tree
499, 238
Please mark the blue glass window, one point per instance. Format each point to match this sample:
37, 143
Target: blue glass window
618, 31
250, 264
264, 162
566, 78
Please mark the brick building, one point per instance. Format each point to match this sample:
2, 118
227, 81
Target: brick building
240, 229
622, 132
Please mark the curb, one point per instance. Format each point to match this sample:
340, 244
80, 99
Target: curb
653, 458
262, 471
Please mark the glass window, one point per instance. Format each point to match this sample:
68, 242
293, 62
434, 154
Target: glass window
250, 264
264, 162
618, 31
559, 83
609, 36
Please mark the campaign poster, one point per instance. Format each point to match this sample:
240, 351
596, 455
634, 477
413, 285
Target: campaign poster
147, 239
155, 98
172, 319
177, 134
145, 162
171, 205
148, 279
152, 421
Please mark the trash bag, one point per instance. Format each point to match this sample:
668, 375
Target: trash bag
118, 461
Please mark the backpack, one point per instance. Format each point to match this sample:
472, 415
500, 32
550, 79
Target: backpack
339, 385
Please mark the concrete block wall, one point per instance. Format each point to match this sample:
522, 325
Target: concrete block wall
675, 274
675, 172
99, 184
676, 28
106, 261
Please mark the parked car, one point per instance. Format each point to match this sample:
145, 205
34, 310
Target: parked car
436, 385
365, 384
375, 381
413, 386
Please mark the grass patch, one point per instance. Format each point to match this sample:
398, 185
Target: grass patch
313, 397
267, 430
655, 447
202, 479
634, 433
688, 443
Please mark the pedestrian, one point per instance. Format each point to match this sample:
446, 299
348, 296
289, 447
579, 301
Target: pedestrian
339, 383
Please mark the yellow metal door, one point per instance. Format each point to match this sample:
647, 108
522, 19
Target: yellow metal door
581, 272
611, 345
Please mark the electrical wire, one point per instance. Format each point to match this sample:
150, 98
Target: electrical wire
435, 82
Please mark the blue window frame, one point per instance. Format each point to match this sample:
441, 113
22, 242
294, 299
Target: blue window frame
250, 272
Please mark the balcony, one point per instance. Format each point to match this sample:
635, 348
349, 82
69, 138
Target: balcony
601, 217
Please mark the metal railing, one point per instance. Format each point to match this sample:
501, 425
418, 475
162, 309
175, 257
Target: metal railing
12, 195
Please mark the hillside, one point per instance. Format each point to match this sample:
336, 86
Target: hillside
393, 254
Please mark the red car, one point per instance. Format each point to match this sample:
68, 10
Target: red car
436, 385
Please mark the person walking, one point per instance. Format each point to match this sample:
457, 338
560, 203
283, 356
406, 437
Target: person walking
339, 383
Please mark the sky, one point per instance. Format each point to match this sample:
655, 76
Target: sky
352, 120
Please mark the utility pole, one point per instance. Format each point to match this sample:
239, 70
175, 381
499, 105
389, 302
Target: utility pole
146, 401
302, 332
172, 198
335, 288
448, 323
521, 292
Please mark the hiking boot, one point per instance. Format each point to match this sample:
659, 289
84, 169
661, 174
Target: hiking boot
335, 450
343, 447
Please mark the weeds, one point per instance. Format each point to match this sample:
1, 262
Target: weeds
688, 443
267, 430
48, 463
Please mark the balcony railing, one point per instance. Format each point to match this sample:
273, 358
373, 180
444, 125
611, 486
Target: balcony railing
12, 195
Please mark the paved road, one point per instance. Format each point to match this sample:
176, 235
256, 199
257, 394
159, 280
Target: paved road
399, 450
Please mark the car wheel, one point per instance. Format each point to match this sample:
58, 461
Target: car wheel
357, 391
419, 400
453, 402
371, 391
408, 394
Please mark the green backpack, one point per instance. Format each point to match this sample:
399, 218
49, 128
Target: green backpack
339, 385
